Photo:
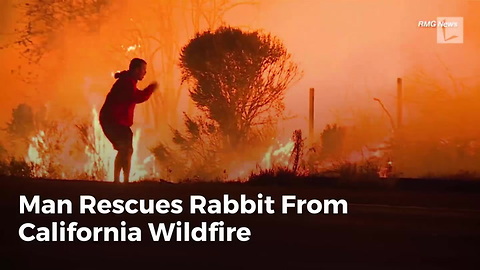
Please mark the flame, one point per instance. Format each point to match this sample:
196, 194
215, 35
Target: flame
277, 155
103, 155
100, 157
132, 48
386, 171
138, 170
34, 156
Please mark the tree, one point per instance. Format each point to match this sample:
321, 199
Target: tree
41, 22
238, 79
21, 126
158, 40
22, 123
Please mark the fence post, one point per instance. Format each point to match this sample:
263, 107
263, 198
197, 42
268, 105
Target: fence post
311, 114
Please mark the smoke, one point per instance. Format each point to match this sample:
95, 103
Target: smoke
350, 51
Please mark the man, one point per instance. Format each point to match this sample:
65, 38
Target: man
116, 115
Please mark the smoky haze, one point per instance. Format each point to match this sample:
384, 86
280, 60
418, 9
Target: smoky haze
350, 51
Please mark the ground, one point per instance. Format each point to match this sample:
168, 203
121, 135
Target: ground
423, 224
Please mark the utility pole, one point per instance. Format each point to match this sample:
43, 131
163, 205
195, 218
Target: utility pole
399, 103
311, 113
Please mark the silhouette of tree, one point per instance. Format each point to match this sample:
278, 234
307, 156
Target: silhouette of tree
22, 123
238, 79
42, 20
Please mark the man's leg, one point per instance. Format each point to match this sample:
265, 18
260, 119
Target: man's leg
127, 164
118, 167
123, 144
112, 132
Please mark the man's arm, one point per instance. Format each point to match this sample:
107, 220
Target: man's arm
140, 96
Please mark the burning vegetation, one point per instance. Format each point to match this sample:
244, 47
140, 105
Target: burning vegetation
221, 111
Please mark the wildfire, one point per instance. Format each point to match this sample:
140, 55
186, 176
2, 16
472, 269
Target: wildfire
131, 48
36, 146
276, 156
102, 157
140, 167
279, 156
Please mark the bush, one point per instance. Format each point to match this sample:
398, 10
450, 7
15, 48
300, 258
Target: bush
277, 175
17, 168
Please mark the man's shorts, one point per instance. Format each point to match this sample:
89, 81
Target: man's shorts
120, 136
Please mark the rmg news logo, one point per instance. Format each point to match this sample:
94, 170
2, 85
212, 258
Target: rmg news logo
449, 29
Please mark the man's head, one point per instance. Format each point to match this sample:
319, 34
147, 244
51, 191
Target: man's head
138, 68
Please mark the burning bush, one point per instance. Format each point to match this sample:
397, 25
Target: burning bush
57, 151
16, 167
96, 168
197, 152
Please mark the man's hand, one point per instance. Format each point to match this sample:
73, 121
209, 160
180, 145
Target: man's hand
153, 85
